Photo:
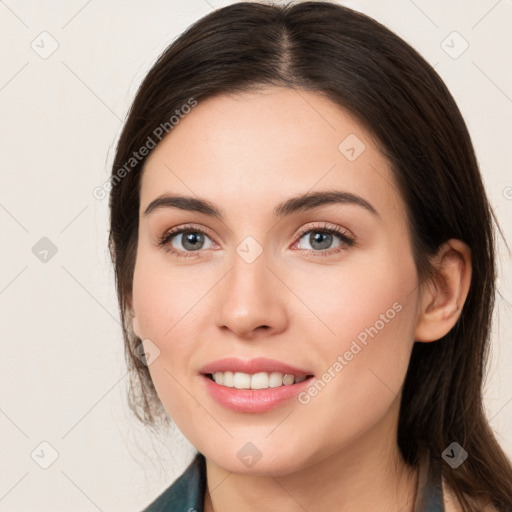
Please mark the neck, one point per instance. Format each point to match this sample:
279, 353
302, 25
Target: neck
368, 475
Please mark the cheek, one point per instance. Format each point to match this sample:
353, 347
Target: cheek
162, 298
167, 306
365, 360
367, 314
368, 297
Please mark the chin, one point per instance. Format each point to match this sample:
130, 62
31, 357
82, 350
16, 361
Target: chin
249, 460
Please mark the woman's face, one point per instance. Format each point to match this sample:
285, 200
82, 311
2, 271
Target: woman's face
262, 281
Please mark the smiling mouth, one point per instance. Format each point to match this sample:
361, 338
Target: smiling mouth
255, 381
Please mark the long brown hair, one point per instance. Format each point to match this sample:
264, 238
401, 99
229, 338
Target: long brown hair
362, 66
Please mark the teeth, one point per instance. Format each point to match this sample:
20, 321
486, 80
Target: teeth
227, 379
241, 381
261, 380
288, 379
275, 380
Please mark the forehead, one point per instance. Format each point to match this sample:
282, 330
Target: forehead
254, 149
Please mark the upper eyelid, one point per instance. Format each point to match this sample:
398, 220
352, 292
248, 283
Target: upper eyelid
325, 227
187, 227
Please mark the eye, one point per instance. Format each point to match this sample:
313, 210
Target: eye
322, 237
184, 241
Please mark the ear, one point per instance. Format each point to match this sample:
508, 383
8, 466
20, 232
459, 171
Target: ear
442, 298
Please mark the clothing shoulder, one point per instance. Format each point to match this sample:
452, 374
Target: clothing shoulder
186, 493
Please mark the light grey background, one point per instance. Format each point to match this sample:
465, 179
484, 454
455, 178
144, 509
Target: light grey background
63, 376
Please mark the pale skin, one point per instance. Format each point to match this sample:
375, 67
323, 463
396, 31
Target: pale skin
245, 154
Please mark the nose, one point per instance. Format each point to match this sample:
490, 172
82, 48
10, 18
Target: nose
250, 300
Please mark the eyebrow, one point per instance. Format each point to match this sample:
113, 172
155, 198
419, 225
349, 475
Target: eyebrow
295, 204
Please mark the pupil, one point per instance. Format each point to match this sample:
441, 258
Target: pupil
318, 237
194, 239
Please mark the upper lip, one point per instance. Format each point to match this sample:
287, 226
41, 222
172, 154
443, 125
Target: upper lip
260, 364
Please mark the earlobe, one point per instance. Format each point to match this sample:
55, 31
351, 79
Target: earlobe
443, 297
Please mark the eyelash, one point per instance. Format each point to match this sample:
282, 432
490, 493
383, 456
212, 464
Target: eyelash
164, 240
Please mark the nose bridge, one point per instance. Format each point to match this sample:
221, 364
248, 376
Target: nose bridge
251, 296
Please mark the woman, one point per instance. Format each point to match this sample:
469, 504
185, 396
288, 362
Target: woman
305, 268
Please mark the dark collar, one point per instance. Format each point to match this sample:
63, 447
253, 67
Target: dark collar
187, 493
429, 496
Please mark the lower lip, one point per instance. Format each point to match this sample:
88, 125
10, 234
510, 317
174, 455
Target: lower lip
253, 400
